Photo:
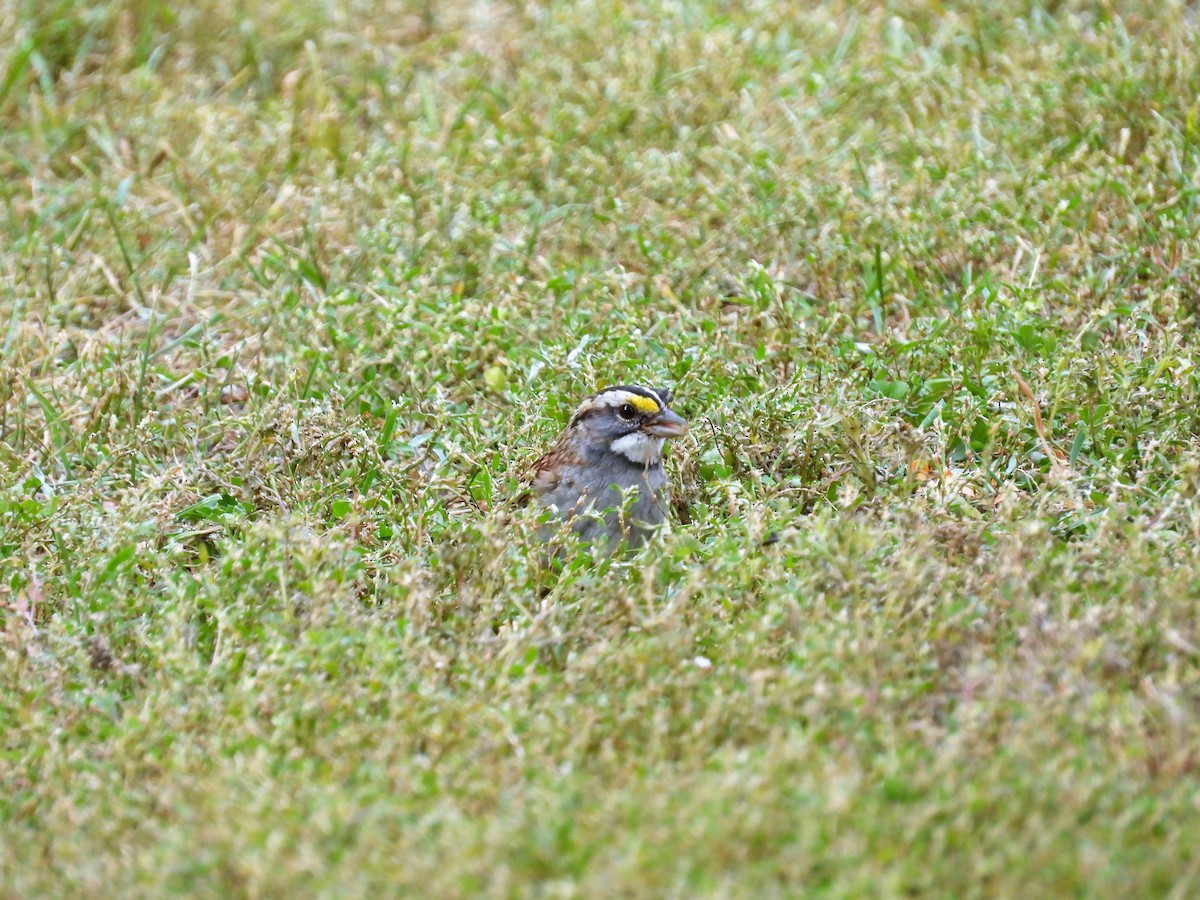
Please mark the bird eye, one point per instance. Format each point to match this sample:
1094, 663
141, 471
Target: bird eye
627, 411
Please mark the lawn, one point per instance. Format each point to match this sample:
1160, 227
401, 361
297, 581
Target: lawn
292, 292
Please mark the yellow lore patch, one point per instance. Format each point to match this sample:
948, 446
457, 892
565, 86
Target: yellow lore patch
645, 404
614, 399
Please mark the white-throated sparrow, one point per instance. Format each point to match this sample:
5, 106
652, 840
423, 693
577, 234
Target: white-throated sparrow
611, 449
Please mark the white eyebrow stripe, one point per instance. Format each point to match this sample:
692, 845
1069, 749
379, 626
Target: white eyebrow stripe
615, 398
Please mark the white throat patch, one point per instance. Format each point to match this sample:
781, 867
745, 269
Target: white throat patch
639, 448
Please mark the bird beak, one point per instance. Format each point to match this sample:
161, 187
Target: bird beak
666, 425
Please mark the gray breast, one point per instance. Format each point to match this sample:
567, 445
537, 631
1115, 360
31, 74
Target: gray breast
595, 504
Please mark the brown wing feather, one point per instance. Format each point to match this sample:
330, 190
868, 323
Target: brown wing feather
546, 473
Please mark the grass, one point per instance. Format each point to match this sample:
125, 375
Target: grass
290, 292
